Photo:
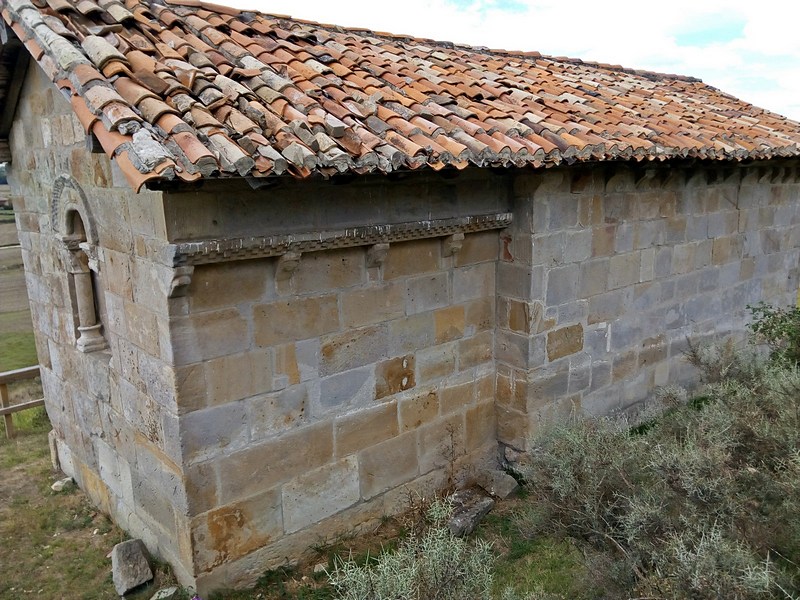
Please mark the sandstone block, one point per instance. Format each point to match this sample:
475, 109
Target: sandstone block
275, 461
207, 335
320, 493
353, 348
564, 341
238, 376
329, 270
410, 258
420, 409
481, 425
479, 247
436, 362
479, 315
234, 530
603, 240
295, 319
272, 414
578, 246
456, 397
562, 284
473, 282
226, 284
512, 427
428, 292
394, 375
365, 428
594, 277
208, 432
623, 270
475, 350
388, 464
450, 323
440, 443
200, 481
411, 334
347, 389
129, 566
373, 305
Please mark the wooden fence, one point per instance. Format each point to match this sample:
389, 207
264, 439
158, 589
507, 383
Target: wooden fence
6, 408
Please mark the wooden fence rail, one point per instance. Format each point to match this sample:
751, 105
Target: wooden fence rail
6, 408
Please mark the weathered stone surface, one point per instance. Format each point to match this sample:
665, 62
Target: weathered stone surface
295, 319
129, 566
469, 507
564, 341
498, 484
394, 375
353, 348
168, 593
320, 493
62, 484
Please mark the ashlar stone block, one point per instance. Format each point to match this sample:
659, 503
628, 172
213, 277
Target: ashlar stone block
295, 319
365, 428
388, 464
320, 493
564, 341
275, 461
234, 530
353, 348
238, 376
394, 375
450, 323
418, 410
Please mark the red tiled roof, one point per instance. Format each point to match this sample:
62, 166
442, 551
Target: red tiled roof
189, 89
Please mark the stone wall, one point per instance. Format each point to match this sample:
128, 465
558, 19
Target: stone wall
606, 273
113, 410
319, 397
278, 366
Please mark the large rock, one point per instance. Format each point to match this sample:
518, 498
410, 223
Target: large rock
129, 566
498, 484
469, 507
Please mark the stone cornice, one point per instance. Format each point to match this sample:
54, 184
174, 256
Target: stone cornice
240, 248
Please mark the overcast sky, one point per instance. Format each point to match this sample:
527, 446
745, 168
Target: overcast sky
748, 48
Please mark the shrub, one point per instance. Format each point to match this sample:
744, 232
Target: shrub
433, 565
779, 328
701, 503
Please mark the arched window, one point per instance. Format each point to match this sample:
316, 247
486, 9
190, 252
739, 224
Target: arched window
89, 327
69, 213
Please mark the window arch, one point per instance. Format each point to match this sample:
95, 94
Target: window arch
73, 220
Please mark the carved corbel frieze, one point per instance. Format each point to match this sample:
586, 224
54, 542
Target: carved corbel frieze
376, 255
287, 265
453, 244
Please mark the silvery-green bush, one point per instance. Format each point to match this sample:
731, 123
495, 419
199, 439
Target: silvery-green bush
433, 565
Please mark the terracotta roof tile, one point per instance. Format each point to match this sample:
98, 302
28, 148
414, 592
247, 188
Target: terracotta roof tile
186, 89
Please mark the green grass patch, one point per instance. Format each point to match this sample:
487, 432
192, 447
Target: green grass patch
17, 350
6, 216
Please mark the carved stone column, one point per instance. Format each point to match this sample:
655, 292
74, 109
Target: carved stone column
90, 338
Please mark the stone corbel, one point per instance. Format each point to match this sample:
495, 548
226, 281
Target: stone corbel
453, 243
180, 281
376, 255
287, 265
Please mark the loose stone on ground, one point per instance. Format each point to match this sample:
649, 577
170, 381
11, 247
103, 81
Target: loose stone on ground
129, 566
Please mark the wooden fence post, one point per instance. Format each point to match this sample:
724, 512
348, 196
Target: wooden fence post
9, 418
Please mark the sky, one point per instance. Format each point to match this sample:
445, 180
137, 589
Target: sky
747, 48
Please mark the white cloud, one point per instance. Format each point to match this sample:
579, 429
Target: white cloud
762, 65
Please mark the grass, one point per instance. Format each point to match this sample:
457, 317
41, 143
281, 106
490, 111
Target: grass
56, 542
6, 215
